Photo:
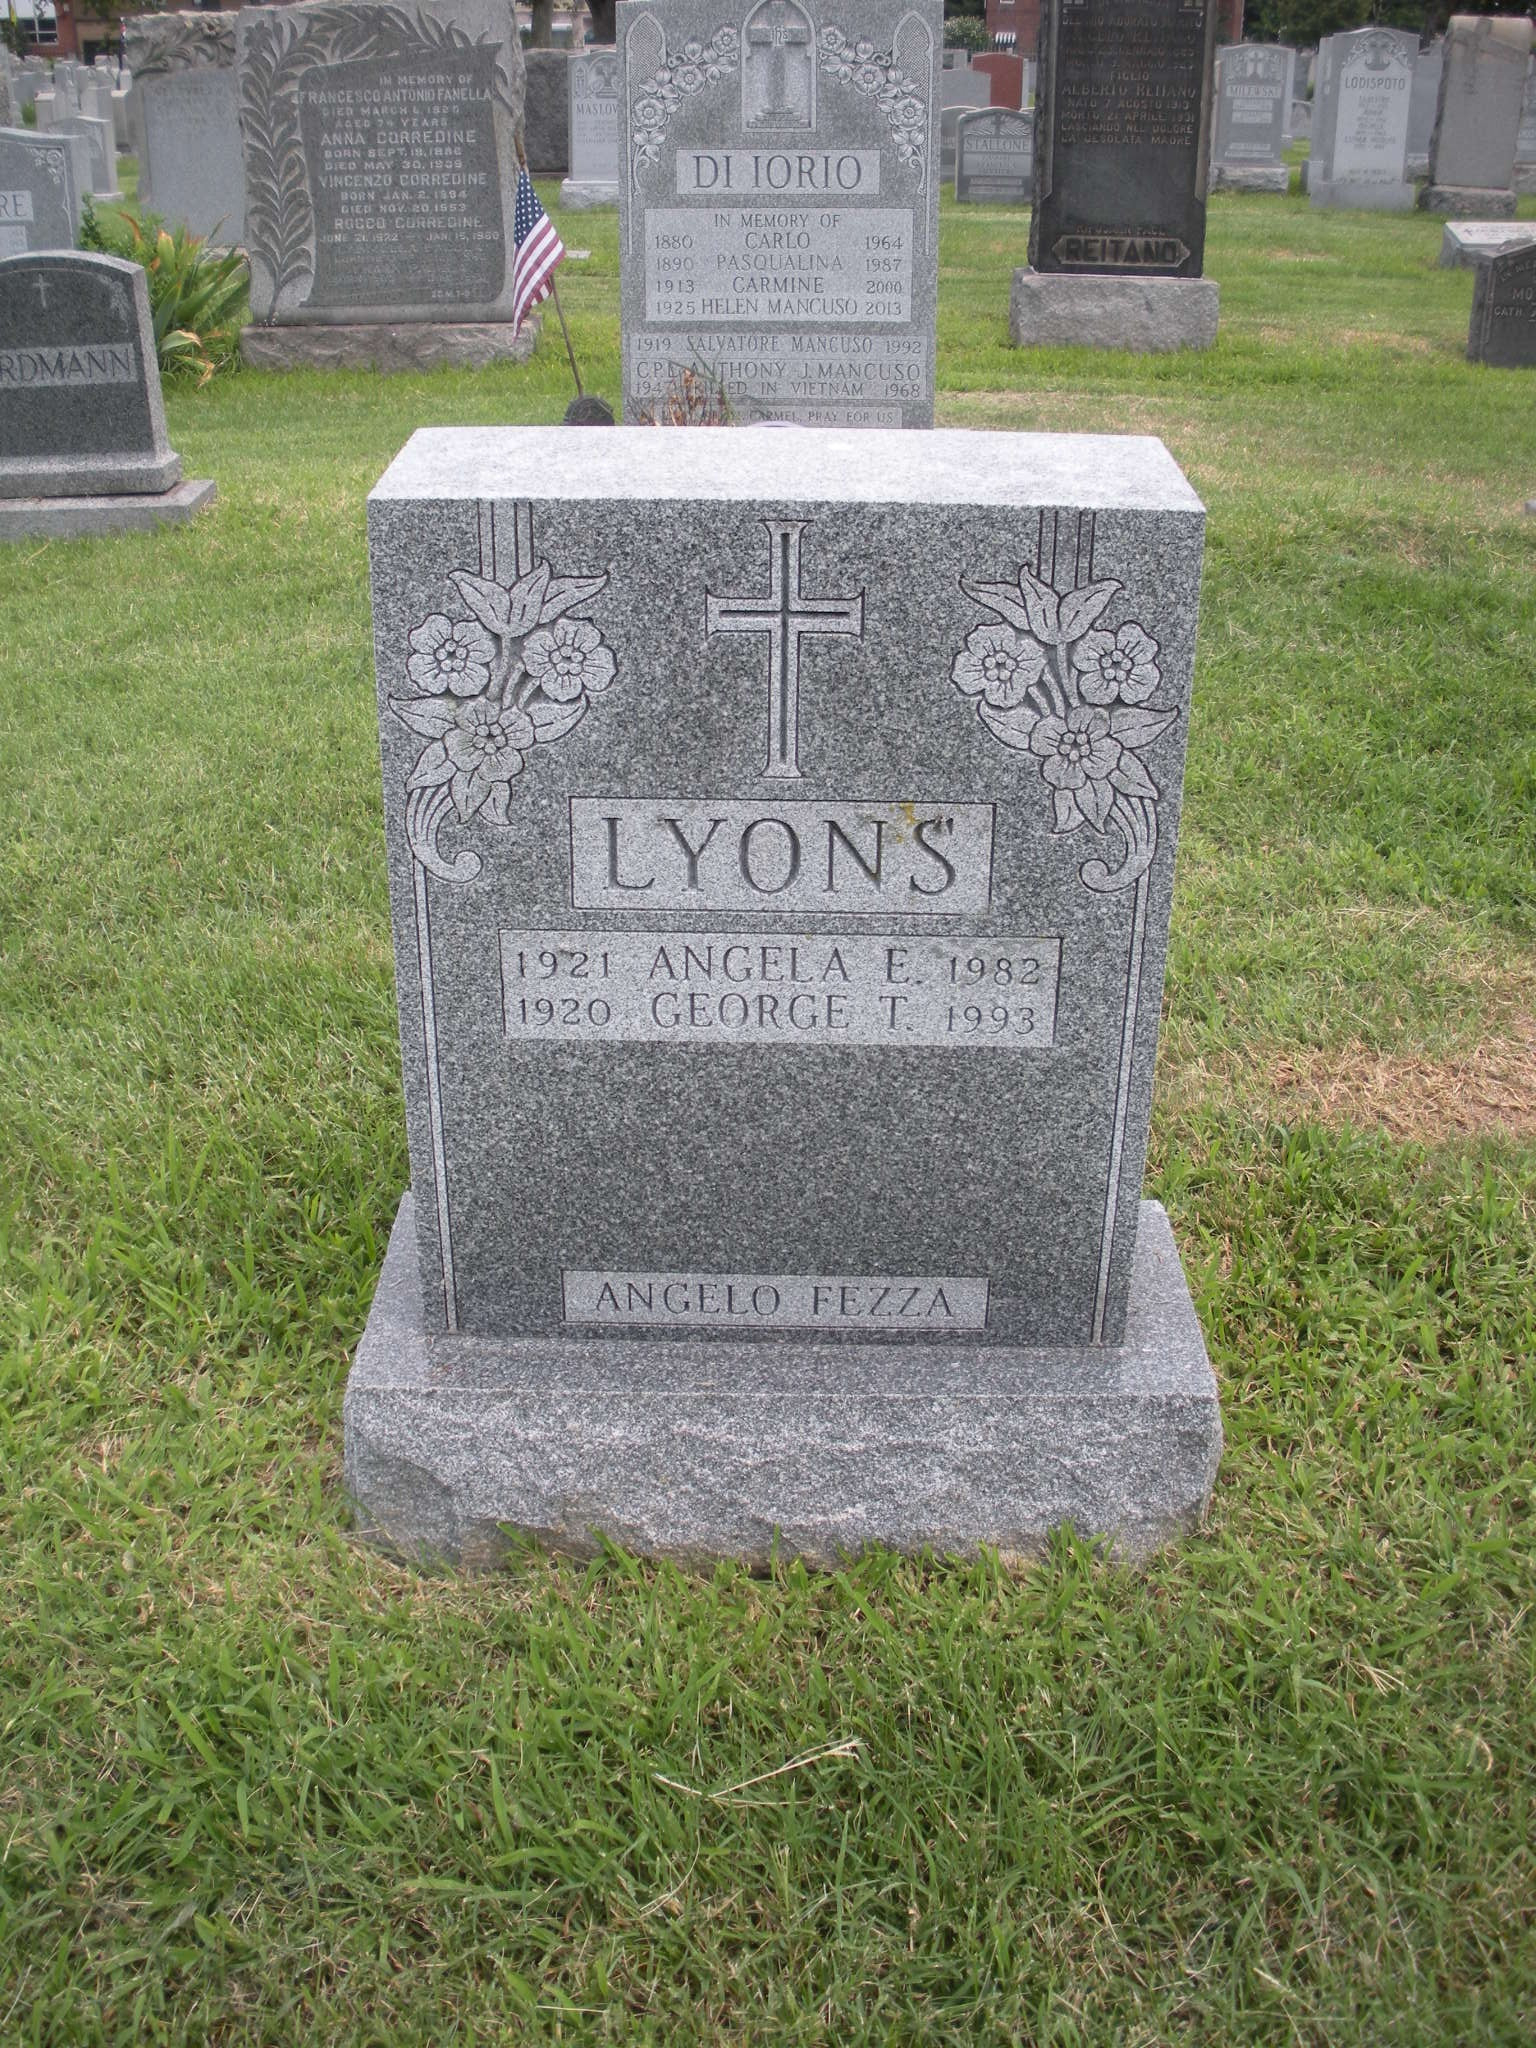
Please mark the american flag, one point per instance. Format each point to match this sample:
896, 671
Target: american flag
539, 249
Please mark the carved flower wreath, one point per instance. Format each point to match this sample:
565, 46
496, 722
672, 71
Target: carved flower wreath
518, 674
876, 74
679, 75
1050, 684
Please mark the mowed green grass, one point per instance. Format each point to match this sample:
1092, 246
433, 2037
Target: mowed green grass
260, 1786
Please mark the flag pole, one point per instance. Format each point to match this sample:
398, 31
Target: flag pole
554, 289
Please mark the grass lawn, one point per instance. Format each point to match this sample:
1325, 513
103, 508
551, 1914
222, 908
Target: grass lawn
259, 1786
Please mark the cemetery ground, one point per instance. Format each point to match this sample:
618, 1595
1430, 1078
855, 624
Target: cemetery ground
261, 1785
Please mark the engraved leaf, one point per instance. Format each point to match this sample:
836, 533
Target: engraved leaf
432, 768
1068, 816
554, 721
1095, 800
526, 598
1013, 727
1133, 727
498, 805
564, 592
1079, 609
1002, 598
1129, 775
1043, 607
488, 601
430, 716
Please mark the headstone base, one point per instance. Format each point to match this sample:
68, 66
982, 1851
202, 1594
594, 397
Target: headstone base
1395, 196
1147, 315
774, 1449
586, 195
1467, 202
404, 345
77, 518
1250, 178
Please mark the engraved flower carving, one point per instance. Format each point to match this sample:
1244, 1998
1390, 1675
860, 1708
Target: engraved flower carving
1050, 683
675, 78
877, 75
1121, 664
567, 658
487, 690
454, 656
998, 664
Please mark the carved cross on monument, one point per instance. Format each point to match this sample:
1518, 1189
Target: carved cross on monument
787, 617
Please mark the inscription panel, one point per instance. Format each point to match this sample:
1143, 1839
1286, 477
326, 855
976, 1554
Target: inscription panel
820, 991
879, 1304
823, 378
842, 859
800, 264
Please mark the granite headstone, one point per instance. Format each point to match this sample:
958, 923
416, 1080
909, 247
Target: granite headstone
380, 160
594, 124
1503, 329
780, 832
1252, 100
1482, 89
1360, 135
778, 211
39, 207
1422, 101
1525, 139
83, 444
188, 112
1122, 137
547, 111
1465, 243
994, 157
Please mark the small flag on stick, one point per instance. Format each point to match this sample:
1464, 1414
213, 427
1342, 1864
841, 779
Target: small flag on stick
539, 249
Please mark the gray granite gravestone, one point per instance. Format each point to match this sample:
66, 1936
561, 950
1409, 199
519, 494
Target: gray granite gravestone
949, 134
83, 447
1472, 150
1360, 136
39, 207
380, 178
1465, 243
100, 150
1122, 146
1252, 103
778, 210
1423, 98
994, 157
594, 119
964, 88
190, 168
1525, 138
547, 111
1503, 329
780, 832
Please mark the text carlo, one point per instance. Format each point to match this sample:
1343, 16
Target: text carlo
910, 859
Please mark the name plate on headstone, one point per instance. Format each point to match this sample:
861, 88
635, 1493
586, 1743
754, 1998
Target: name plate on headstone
778, 209
37, 192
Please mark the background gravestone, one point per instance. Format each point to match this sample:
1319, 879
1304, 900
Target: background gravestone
1422, 101
1360, 134
1465, 243
1252, 103
82, 418
994, 157
547, 110
1503, 329
188, 116
594, 119
1525, 139
39, 208
1122, 142
778, 212
845, 868
380, 175
1482, 88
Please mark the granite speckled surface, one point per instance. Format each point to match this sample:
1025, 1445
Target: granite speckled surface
701, 1451
780, 831
78, 372
1147, 315
79, 518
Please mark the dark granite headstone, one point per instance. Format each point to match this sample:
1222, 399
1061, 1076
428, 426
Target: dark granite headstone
1503, 330
80, 408
380, 160
547, 110
1122, 137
